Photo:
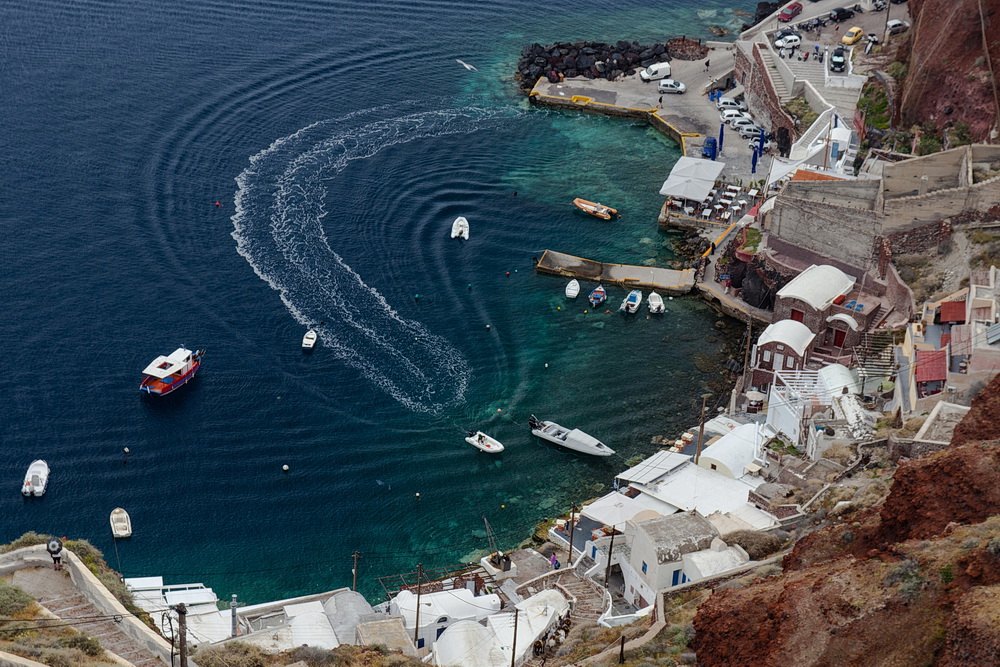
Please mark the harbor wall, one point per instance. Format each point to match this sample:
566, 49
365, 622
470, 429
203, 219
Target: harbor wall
588, 105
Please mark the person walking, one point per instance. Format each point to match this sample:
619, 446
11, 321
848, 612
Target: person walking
55, 549
707, 63
661, 102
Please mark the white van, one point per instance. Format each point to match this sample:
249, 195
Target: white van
655, 71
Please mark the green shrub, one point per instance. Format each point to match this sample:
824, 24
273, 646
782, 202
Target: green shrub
947, 574
29, 539
13, 600
896, 70
231, 654
907, 575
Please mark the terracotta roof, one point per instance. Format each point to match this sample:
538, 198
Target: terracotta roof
931, 365
806, 175
953, 311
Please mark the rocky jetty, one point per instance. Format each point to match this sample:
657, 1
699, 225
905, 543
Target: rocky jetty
597, 60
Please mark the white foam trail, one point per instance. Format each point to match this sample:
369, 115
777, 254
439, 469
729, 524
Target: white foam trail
278, 230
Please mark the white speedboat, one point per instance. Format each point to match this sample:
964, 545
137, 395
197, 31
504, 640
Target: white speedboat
483, 442
460, 228
574, 439
309, 340
631, 302
121, 523
573, 289
36, 480
656, 303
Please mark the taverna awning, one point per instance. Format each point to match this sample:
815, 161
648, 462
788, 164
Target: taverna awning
692, 178
613, 509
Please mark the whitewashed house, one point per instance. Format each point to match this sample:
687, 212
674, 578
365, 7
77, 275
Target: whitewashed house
440, 610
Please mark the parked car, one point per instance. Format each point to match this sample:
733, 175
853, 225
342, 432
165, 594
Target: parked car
790, 12
751, 132
788, 42
671, 86
738, 123
785, 32
727, 115
730, 103
898, 2
852, 36
895, 26
840, 14
838, 60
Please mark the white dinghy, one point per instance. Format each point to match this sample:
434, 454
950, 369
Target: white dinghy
574, 439
36, 480
309, 340
656, 303
121, 523
484, 443
573, 289
460, 228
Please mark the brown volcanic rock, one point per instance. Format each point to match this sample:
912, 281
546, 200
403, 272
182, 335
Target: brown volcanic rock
983, 421
974, 630
839, 613
948, 77
957, 485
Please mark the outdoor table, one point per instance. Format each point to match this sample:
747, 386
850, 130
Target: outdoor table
733, 188
742, 202
753, 193
689, 209
719, 207
726, 200
706, 213
727, 215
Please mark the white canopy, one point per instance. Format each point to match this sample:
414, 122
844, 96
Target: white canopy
166, 366
692, 178
657, 465
613, 509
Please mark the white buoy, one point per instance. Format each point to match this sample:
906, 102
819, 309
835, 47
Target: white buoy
417, 496
489, 326
546, 365
125, 450
285, 467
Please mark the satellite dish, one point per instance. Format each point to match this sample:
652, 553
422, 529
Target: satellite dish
54, 545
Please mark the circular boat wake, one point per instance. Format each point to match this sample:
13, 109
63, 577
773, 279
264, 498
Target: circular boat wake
280, 206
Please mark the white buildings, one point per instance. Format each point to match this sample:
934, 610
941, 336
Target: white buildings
440, 610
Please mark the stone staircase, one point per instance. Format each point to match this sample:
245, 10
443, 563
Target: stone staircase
70, 604
779, 85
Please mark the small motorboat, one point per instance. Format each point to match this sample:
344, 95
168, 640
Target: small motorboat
121, 523
573, 289
598, 296
167, 374
656, 303
460, 228
595, 209
574, 439
632, 302
309, 340
484, 443
36, 480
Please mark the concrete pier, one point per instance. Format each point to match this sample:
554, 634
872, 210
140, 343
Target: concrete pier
668, 281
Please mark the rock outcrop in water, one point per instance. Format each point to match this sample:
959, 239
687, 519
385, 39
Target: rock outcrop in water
597, 60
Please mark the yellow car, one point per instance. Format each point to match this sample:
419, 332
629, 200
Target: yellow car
852, 35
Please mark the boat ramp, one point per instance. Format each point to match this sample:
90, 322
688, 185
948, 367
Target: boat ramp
669, 281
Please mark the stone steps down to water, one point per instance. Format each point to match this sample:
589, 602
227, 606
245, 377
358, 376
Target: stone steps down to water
597, 60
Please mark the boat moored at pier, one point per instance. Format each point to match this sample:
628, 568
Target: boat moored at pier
631, 303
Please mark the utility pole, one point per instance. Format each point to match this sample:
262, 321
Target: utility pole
746, 354
232, 612
611, 551
354, 570
572, 525
621, 652
513, 643
416, 617
182, 630
701, 429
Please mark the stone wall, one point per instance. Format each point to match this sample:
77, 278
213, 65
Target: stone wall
921, 238
761, 98
913, 449
842, 232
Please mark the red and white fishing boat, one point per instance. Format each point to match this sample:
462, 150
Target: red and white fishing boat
166, 374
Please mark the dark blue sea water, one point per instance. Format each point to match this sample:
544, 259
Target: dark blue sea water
341, 139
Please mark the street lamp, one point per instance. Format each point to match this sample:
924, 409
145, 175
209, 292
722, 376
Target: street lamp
701, 429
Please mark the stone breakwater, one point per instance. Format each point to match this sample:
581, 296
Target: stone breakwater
597, 60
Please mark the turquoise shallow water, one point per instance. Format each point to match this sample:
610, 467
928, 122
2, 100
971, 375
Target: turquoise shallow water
338, 184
